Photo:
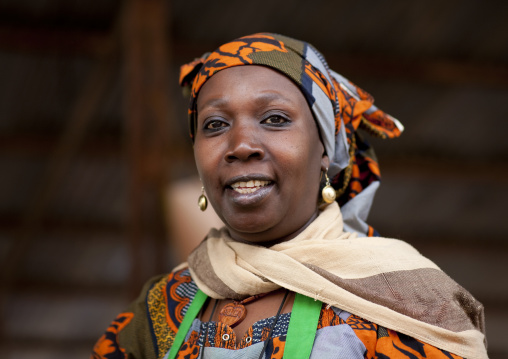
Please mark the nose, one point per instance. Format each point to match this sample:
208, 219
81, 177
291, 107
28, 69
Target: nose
244, 144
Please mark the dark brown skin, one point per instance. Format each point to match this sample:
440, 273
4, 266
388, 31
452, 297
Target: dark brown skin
254, 124
262, 308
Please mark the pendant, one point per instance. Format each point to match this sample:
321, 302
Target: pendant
232, 314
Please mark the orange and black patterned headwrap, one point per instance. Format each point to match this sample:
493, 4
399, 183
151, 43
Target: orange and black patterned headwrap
339, 107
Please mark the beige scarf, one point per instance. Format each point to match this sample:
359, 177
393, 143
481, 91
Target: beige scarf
382, 280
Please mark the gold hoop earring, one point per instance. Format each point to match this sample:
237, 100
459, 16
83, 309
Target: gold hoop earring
328, 193
202, 200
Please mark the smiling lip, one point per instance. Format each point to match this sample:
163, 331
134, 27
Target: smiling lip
249, 186
249, 189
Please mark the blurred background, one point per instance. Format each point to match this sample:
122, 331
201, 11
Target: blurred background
98, 187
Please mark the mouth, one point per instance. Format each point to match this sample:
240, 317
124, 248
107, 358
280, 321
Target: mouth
250, 186
249, 190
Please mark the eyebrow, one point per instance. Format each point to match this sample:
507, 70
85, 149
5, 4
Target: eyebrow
214, 102
269, 96
262, 98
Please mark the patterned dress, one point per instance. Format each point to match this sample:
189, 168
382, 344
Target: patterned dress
148, 328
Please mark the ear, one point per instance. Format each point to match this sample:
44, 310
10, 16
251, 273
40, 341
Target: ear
325, 162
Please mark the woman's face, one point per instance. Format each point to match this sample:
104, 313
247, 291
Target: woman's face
258, 153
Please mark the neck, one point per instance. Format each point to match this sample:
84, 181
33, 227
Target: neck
260, 241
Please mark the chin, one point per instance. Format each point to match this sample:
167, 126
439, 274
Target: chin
248, 227
250, 230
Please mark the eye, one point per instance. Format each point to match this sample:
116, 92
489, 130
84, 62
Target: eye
277, 120
214, 125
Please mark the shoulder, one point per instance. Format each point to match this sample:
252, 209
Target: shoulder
375, 341
168, 299
150, 323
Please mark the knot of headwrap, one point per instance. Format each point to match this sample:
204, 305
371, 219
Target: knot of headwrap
339, 107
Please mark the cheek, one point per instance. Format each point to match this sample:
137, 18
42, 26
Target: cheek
205, 161
310, 155
198, 160
300, 160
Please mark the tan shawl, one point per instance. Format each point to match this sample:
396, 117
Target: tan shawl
382, 280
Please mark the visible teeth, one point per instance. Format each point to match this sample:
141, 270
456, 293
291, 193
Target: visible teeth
249, 186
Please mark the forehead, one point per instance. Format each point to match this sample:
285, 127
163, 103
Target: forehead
253, 81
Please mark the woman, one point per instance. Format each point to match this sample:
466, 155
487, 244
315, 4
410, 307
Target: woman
291, 274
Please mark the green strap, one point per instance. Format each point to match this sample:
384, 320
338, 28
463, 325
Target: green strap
302, 327
301, 332
196, 305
